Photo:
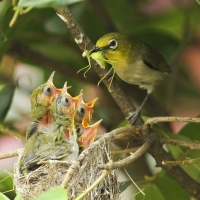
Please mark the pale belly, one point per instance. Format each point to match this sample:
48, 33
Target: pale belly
139, 74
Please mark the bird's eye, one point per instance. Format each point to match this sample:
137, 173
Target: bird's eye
66, 100
47, 90
113, 44
79, 131
82, 110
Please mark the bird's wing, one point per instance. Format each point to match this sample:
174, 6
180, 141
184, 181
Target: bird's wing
153, 59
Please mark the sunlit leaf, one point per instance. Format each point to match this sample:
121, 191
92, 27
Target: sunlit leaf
18, 197
6, 95
3, 197
55, 193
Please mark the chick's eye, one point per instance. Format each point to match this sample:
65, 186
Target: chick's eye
47, 91
65, 101
79, 131
113, 44
82, 110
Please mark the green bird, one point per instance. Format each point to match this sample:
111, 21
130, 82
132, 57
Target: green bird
43, 146
83, 111
133, 61
63, 111
41, 99
56, 140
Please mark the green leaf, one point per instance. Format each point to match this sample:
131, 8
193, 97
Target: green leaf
54, 193
159, 189
189, 132
18, 197
7, 33
46, 3
198, 1
152, 192
6, 95
3, 197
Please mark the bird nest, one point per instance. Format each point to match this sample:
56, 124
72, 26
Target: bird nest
80, 175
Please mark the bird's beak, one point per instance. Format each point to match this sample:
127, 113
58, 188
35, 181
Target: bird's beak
95, 49
50, 80
89, 134
91, 103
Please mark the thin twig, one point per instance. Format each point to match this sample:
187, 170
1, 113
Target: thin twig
190, 144
181, 162
134, 183
49, 162
134, 156
155, 120
124, 151
8, 154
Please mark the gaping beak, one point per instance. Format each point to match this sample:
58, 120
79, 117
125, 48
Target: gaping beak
89, 134
91, 103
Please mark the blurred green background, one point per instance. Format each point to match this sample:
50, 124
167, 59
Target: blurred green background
39, 43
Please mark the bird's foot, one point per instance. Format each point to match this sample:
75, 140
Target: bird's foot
110, 74
133, 116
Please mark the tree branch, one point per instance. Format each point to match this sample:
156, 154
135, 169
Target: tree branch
126, 107
181, 162
154, 120
9, 154
185, 143
83, 42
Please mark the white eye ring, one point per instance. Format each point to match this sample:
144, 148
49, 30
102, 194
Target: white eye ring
113, 44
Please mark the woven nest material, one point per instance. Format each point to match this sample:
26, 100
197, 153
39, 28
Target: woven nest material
82, 173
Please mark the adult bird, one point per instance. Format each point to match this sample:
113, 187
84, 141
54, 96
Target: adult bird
133, 61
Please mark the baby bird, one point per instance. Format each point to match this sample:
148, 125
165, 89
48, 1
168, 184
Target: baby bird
41, 99
87, 133
84, 110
